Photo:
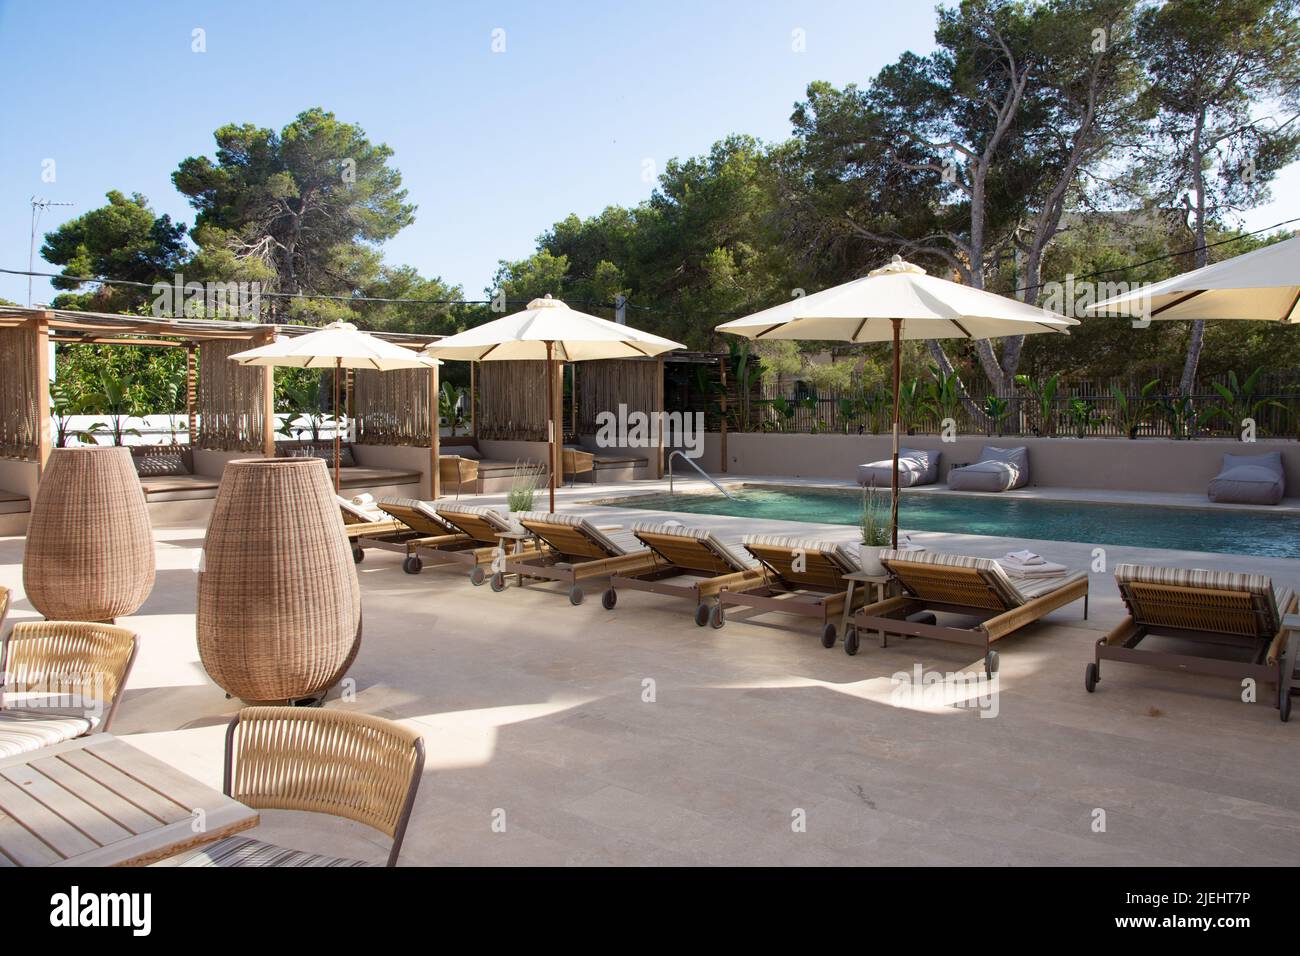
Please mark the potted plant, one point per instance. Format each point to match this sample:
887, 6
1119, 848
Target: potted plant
523, 486
875, 530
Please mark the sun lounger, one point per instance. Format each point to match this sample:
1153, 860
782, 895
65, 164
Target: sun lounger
425, 532
483, 546
1242, 612
363, 526
803, 577
971, 587
686, 552
573, 550
62, 680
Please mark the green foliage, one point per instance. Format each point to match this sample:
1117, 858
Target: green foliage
1240, 402
1082, 414
1044, 393
450, 399
121, 240
942, 397
524, 481
996, 411
1131, 413
875, 523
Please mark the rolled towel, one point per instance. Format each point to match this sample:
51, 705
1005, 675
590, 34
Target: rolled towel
364, 500
1023, 557
1046, 569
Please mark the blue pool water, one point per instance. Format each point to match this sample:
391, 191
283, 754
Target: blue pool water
1183, 529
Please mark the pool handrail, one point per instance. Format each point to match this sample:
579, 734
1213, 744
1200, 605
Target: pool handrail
678, 453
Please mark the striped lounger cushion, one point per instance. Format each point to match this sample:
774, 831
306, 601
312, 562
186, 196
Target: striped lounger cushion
846, 556
1014, 593
737, 561
242, 851
488, 513
423, 507
1268, 599
574, 521
22, 731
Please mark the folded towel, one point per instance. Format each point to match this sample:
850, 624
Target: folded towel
363, 500
1023, 557
1044, 570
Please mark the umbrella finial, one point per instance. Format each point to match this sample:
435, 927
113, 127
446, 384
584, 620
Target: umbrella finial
547, 302
897, 264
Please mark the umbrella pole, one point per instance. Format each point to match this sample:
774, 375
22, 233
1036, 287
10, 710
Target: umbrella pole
893, 472
550, 415
337, 443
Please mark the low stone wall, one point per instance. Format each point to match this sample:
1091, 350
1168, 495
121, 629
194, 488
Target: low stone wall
1119, 464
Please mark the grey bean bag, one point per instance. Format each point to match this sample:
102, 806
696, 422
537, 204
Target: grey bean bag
915, 467
999, 469
1249, 480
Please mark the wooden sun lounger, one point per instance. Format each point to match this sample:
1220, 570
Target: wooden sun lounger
971, 587
480, 543
1222, 608
364, 531
572, 551
425, 532
804, 578
684, 556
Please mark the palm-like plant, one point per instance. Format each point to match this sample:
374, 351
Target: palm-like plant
63, 405
450, 400
1044, 393
942, 397
302, 400
117, 400
1239, 400
1130, 413
996, 410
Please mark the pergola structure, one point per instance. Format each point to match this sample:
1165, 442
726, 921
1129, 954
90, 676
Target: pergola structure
230, 407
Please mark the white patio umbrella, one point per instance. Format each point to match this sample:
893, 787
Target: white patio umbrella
897, 301
548, 330
338, 345
1263, 285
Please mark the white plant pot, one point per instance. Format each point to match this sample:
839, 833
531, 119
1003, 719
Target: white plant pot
870, 560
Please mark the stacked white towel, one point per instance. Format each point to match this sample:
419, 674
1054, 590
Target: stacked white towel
1027, 564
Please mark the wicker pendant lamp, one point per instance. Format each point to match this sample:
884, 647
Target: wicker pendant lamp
279, 607
89, 554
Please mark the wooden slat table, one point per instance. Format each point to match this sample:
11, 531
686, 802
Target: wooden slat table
98, 801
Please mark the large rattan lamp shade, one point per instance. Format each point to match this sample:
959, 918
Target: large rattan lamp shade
279, 607
89, 554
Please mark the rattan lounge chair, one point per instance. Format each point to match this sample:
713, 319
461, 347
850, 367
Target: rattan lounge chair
1223, 608
428, 533
686, 552
356, 766
573, 550
69, 675
484, 528
803, 577
970, 587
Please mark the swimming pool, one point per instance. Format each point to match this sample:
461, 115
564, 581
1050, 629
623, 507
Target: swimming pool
1184, 529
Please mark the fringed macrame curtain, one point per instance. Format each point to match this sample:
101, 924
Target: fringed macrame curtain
19, 391
229, 398
392, 408
512, 401
606, 384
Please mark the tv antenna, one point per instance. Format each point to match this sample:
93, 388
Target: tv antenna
39, 205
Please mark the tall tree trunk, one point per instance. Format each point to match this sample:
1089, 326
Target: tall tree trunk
1194, 344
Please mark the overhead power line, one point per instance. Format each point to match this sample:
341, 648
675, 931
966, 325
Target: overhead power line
604, 305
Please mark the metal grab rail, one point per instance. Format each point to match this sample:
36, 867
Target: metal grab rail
703, 474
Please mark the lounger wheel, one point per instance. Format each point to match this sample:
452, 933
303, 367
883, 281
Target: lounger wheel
850, 641
575, 595
701, 614
609, 599
412, 564
828, 635
990, 663
477, 577
717, 616
498, 582
1091, 675
358, 554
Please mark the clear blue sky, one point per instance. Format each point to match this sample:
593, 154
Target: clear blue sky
493, 147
